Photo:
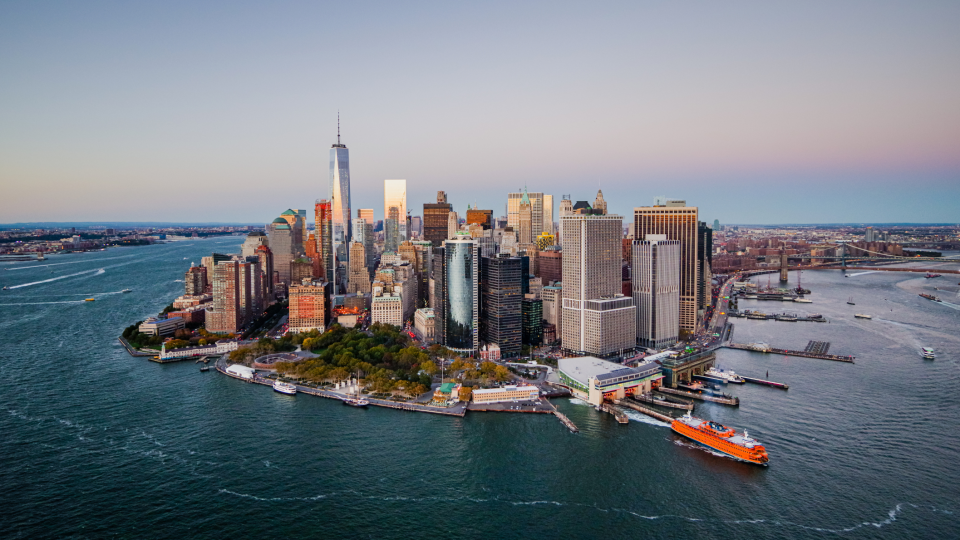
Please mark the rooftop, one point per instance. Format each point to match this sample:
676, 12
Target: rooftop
584, 368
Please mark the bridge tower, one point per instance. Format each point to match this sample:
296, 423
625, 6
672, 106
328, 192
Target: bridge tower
784, 272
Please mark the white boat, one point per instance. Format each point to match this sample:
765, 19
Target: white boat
927, 353
803, 301
729, 376
126, 290
284, 388
862, 316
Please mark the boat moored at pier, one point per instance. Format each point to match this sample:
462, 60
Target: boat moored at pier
284, 388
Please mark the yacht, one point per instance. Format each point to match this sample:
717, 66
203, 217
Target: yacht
284, 388
927, 353
126, 290
726, 375
850, 301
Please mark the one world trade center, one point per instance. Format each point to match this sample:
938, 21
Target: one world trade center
340, 195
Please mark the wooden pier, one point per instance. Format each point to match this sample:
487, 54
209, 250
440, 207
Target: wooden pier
644, 410
663, 401
732, 400
566, 421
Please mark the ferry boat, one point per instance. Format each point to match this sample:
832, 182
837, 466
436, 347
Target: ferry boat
284, 388
726, 376
815, 316
862, 316
927, 353
355, 402
90, 300
721, 438
930, 297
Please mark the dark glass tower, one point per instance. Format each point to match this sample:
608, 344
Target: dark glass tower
502, 295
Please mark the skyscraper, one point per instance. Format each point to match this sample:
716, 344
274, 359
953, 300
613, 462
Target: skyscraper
395, 196
656, 290
363, 233
462, 305
597, 318
340, 191
226, 315
391, 229
566, 209
366, 214
525, 234
358, 279
453, 224
536, 210
547, 225
704, 264
678, 223
599, 203
501, 302
286, 245
484, 218
435, 217
324, 237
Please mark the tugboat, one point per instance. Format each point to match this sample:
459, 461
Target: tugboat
283, 387
722, 439
927, 353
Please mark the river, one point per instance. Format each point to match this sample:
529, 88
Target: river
101, 444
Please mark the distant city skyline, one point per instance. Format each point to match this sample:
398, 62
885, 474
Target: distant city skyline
808, 113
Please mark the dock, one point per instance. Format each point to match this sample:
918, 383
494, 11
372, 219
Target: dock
664, 401
617, 412
731, 400
787, 352
135, 352
644, 410
783, 317
753, 380
566, 421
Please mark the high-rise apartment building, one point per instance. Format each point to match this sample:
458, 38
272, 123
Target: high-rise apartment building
656, 290
226, 315
502, 296
597, 318
678, 223
340, 192
195, 281
395, 196
435, 217
358, 278
309, 306
462, 303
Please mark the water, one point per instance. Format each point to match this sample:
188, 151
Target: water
102, 444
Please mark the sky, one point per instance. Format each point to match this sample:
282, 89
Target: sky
756, 112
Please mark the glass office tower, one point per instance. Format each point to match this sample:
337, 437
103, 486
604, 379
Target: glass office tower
462, 309
340, 193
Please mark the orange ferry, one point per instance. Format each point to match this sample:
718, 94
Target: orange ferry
721, 438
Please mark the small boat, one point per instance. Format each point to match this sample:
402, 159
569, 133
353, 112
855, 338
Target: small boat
126, 291
927, 353
726, 376
204, 368
803, 301
862, 316
930, 297
930, 276
283, 387
815, 316
850, 301
6, 288
89, 299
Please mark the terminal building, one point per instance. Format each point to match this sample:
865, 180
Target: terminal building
506, 394
595, 380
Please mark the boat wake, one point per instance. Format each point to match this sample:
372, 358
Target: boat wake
862, 273
96, 272
71, 262
644, 419
891, 515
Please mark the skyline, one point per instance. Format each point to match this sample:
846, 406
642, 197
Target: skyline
756, 115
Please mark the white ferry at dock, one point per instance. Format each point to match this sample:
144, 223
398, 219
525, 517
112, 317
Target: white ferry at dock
284, 388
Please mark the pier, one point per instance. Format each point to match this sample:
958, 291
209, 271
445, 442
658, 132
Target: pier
135, 352
730, 400
782, 317
753, 380
664, 401
617, 412
644, 410
566, 421
787, 352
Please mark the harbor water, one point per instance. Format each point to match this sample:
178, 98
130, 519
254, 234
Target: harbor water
100, 444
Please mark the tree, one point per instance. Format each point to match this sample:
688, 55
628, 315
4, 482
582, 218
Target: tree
429, 367
501, 374
465, 393
177, 344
